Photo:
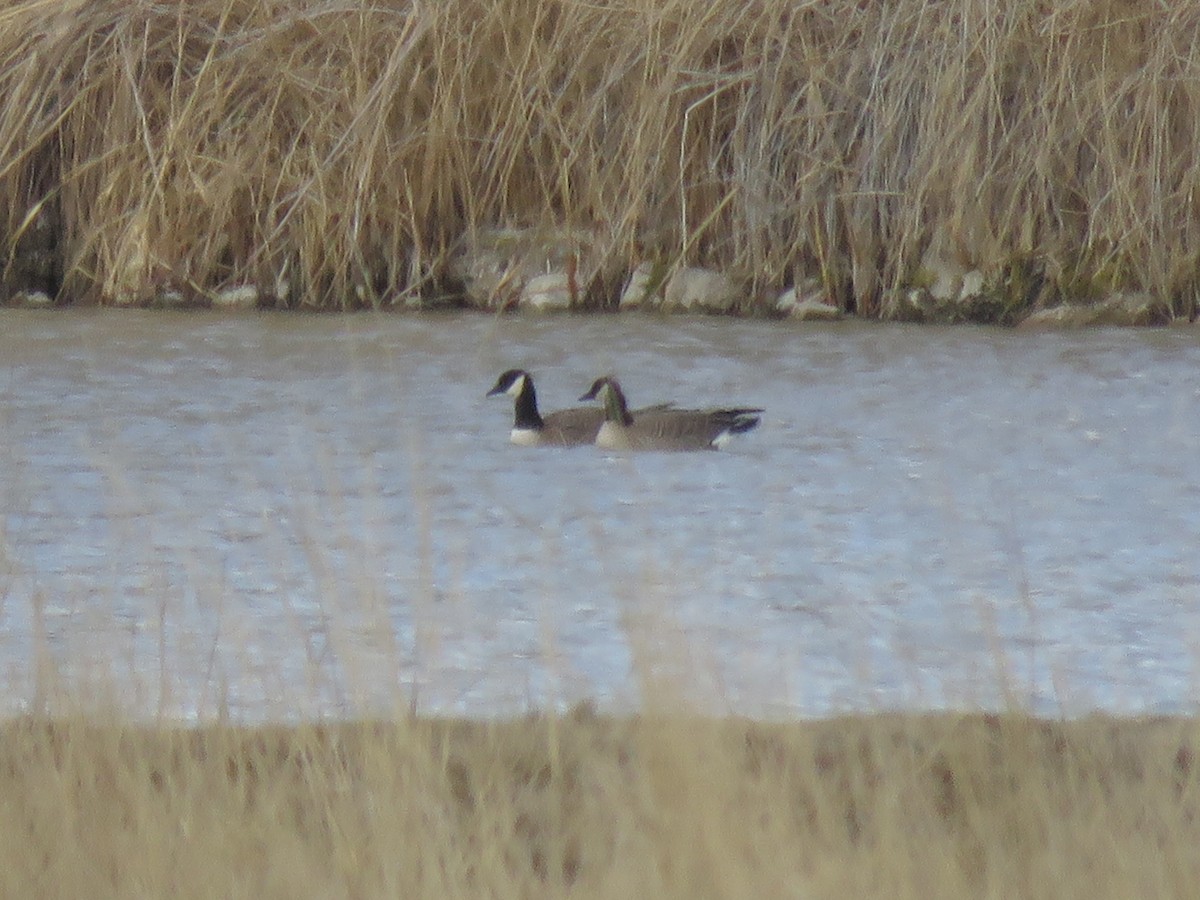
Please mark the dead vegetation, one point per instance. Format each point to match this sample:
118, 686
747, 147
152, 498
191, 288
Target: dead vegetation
587, 806
331, 152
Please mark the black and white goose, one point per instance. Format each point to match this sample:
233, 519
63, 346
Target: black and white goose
664, 429
563, 428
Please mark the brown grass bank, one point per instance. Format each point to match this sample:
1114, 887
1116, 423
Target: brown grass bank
333, 151
589, 806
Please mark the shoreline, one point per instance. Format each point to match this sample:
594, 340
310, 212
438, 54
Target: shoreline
1118, 310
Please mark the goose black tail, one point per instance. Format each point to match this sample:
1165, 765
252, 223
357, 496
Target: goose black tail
743, 422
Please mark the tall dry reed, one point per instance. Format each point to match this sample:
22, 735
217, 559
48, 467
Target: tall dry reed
340, 148
585, 806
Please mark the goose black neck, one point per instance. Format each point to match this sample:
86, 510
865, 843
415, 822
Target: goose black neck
527, 416
615, 408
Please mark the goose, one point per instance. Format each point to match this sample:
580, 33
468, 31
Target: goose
563, 428
664, 429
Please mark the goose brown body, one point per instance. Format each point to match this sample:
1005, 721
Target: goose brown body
664, 429
563, 428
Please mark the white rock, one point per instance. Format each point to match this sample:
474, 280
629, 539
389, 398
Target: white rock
947, 280
495, 264
546, 293
703, 290
806, 301
241, 296
32, 299
971, 285
171, 298
639, 290
1133, 308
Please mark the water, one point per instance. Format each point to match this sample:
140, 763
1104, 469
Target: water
281, 516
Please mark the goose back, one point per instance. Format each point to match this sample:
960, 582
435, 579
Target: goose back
665, 429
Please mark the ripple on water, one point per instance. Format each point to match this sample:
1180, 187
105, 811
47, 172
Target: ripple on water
322, 514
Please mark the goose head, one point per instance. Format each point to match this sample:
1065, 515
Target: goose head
608, 391
511, 382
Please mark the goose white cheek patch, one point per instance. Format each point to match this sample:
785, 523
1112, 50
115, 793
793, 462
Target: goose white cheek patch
518, 385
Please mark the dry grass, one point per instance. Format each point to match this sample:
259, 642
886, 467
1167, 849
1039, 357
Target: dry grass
587, 806
342, 146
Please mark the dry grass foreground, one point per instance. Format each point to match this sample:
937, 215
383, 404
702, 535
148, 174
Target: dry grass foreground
586, 806
340, 147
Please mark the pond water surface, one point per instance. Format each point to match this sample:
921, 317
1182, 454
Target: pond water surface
281, 516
